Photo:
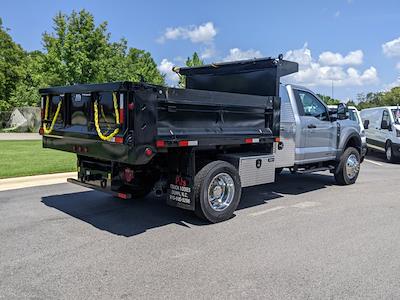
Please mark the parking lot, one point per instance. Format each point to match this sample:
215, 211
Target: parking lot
302, 237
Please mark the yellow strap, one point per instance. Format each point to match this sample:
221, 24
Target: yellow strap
46, 112
96, 120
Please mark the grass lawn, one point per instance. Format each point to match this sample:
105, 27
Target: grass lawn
23, 158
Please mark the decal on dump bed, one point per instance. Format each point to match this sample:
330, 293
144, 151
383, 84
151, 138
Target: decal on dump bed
180, 192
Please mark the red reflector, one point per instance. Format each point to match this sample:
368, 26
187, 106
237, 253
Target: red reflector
131, 106
119, 140
160, 144
248, 141
148, 152
121, 116
122, 196
41, 131
183, 143
277, 139
128, 175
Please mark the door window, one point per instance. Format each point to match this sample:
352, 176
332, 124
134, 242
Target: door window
386, 117
309, 105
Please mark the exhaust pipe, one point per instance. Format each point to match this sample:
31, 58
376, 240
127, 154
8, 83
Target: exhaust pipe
160, 188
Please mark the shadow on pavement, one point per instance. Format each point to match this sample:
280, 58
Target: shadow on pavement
131, 217
378, 157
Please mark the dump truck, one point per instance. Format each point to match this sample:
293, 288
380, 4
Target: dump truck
199, 146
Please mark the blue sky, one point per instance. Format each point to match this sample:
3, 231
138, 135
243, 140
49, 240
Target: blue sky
354, 44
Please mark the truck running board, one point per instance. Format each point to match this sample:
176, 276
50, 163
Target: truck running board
312, 170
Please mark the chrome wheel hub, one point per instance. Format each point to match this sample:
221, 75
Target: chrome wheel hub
352, 166
221, 191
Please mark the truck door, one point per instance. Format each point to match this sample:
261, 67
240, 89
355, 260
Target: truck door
382, 135
316, 127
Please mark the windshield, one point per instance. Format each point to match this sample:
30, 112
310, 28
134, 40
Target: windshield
396, 115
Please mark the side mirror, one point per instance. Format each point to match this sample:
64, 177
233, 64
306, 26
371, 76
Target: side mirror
342, 111
366, 124
385, 124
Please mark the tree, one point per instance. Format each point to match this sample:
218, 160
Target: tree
140, 65
193, 61
26, 91
80, 52
11, 66
328, 100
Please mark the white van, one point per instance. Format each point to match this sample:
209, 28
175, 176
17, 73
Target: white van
382, 129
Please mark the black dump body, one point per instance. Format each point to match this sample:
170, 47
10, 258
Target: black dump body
223, 104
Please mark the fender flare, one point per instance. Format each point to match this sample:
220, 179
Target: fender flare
353, 135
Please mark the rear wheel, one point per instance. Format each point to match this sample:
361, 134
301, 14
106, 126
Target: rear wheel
348, 168
389, 152
217, 191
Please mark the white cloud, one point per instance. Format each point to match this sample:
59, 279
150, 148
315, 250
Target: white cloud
352, 58
208, 52
301, 56
396, 83
237, 54
204, 33
165, 67
392, 48
313, 73
336, 14
398, 66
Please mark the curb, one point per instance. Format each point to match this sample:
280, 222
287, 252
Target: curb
32, 181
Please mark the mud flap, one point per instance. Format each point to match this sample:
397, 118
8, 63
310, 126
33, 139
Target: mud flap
180, 192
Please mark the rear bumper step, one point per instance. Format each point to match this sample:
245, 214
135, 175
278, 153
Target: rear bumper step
121, 195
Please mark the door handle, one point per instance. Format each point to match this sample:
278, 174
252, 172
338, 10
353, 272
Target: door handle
311, 126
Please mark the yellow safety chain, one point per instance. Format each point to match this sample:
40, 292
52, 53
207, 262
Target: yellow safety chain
96, 120
46, 112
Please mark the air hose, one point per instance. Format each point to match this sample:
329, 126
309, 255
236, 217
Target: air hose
46, 112
96, 120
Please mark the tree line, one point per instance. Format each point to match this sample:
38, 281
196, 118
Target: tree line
78, 51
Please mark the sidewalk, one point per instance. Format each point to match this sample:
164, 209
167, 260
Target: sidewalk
31, 181
19, 136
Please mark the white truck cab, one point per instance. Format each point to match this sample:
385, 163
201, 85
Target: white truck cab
382, 130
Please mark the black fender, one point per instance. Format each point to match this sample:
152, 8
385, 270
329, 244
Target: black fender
352, 140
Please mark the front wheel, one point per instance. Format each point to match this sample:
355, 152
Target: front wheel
389, 152
217, 190
348, 168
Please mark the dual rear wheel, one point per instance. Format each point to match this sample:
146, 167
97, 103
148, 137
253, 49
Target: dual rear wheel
217, 191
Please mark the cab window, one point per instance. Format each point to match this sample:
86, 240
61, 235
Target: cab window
353, 115
309, 105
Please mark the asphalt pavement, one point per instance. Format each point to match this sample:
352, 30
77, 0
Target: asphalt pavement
301, 237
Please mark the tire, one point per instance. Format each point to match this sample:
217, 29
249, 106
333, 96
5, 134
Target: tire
389, 152
226, 182
346, 172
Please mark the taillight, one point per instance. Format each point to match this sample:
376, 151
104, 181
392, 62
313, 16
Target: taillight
148, 152
128, 175
121, 109
42, 107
